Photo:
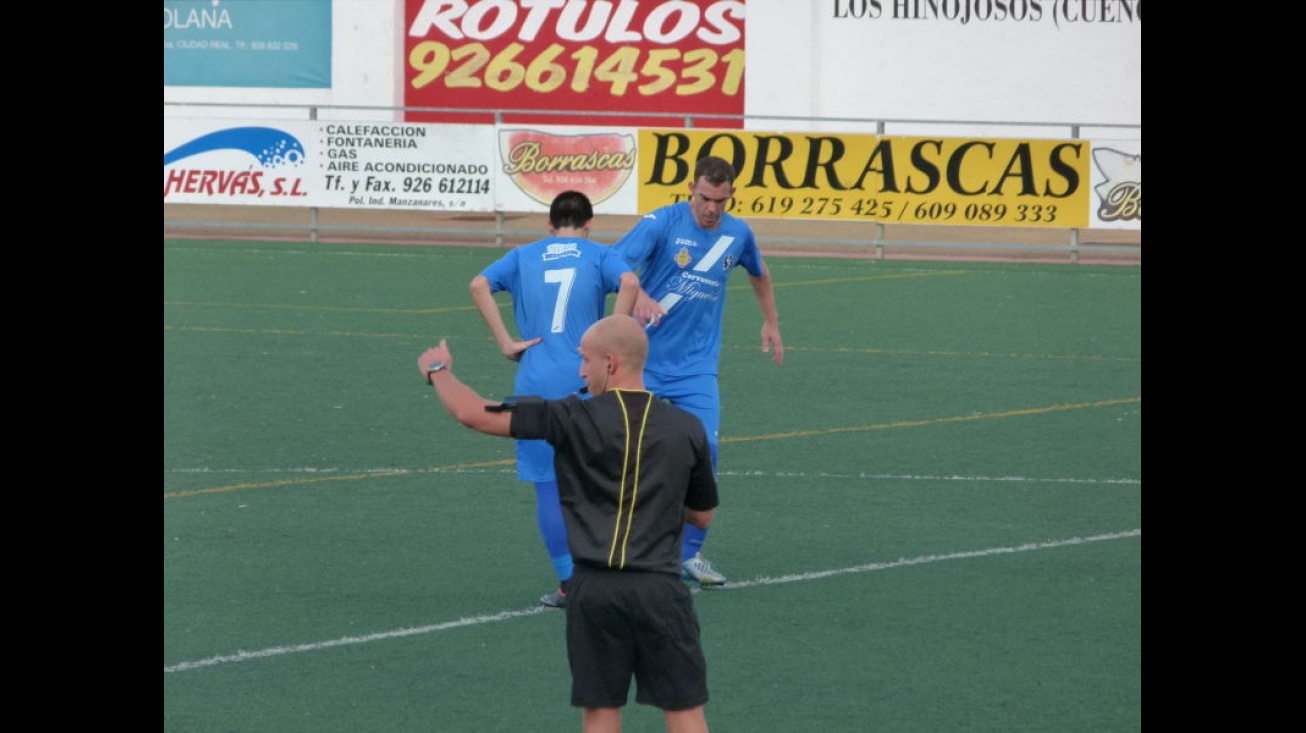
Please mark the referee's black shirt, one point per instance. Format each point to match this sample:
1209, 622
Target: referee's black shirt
627, 466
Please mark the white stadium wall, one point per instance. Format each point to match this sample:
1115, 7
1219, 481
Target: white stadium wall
1007, 61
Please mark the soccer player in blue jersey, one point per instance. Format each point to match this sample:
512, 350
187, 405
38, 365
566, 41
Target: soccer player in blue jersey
559, 287
684, 254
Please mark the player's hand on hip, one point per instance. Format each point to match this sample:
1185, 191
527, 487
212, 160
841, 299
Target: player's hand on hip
514, 352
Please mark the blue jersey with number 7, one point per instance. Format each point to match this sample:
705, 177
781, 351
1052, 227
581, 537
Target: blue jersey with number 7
559, 288
685, 268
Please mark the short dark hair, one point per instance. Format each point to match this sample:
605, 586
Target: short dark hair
716, 170
570, 209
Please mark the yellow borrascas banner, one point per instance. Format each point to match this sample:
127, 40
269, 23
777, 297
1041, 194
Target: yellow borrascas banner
882, 178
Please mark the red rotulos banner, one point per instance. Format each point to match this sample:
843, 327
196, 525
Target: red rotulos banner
604, 62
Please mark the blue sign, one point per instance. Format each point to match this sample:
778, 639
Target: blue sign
247, 43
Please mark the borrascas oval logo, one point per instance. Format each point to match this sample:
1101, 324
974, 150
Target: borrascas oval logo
544, 164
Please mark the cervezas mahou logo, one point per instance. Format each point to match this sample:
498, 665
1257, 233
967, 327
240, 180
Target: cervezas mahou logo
544, 164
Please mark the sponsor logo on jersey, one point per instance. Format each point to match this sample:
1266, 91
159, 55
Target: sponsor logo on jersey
560, 250
691, 287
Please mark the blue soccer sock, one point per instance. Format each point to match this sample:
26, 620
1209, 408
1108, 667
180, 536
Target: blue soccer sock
693, 542
548, 512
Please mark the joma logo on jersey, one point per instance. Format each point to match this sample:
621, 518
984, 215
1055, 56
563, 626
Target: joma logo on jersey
685, 242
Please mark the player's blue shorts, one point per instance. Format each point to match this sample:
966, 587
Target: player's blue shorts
700, 395
534, 460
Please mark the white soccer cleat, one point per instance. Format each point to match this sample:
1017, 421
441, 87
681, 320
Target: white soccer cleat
697, 568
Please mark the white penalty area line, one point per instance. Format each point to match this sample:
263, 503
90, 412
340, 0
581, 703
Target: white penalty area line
245, 656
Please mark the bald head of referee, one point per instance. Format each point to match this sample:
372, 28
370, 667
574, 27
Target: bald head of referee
612, 355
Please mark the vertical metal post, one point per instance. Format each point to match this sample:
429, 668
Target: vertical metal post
498, 213
1074, 233
313, 211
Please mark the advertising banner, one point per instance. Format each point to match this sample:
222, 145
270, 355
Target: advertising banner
882, 178
937, 60
539, 162
405, 166
218, 162
362, 165
249, 43
370, 165
576, 62
1073, 183
1117, 184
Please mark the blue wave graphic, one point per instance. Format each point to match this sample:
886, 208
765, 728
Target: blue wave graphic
269, 146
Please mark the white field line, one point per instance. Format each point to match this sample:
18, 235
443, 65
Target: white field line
245, 656
510, 470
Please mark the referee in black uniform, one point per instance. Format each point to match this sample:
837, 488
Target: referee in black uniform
631, 471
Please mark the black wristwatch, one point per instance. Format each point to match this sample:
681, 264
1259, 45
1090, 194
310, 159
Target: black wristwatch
432, 368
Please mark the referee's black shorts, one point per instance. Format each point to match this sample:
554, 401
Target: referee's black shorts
629, 623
